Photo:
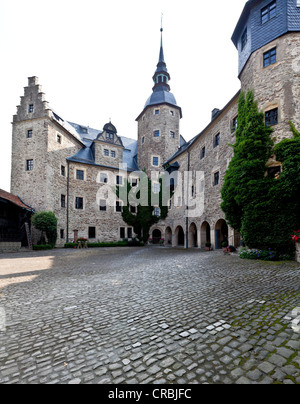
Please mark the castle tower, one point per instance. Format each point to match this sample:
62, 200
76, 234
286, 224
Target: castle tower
267, 38
159, 122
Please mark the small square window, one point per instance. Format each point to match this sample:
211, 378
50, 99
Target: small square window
203, 152
216, 178
172, 113
63, 201
63, 171
103, 178
92, 232
119, 206
156, 112
172, 135
155, 161
106, 152
270, 57
59, 138
217, 140
268, 12
103, 205
62, 233
80, 175
156, 133
29, 165
29, 134
79, 203
119, 180
272, 117
234, 124
30, 108
156, 212
113, 154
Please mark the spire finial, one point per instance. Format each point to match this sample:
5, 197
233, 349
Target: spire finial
161, 29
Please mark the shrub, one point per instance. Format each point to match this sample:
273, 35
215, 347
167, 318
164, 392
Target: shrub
42, 247
46, 222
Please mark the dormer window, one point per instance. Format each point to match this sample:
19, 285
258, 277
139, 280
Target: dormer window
268, 12
110, 136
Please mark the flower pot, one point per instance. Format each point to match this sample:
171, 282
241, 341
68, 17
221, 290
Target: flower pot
207, 248
224, 249
298, 252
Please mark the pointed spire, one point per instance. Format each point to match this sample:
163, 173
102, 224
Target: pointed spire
161, 76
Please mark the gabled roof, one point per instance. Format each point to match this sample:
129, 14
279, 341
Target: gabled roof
16, 200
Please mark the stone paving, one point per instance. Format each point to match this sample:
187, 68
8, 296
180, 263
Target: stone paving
149, 315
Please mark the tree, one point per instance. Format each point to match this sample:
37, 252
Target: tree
46, 222
265, 210
145, 200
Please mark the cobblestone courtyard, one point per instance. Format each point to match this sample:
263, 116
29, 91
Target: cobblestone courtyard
151, 315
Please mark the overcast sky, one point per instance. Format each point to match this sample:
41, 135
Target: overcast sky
95, 60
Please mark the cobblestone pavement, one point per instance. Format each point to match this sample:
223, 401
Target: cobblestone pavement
151, 315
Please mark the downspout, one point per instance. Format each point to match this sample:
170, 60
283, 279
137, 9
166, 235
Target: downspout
187, 203
68, 194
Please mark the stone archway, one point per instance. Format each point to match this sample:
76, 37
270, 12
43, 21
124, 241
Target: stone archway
205, 234
221, 230
193, 238
156, 236
168, 236
180, 237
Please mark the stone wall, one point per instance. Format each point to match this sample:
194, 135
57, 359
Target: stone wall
10, 247
298, 252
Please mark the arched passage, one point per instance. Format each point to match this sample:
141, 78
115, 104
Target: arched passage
168, 236
205, 234
193, 241
221, 233
179, 234
156, 236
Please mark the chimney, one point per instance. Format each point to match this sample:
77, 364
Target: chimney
215, 112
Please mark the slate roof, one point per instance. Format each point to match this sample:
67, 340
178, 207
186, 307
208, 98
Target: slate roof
86, 154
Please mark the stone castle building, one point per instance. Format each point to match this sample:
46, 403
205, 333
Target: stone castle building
67, 168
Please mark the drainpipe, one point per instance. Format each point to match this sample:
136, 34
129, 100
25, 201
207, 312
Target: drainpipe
68, 194
187, 203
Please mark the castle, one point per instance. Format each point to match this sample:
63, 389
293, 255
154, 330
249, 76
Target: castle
60, 166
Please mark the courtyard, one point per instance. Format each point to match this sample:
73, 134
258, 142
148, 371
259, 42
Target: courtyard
147, 315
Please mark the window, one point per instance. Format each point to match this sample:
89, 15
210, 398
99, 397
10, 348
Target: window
272, 117
129, 232
193, 191
78, 203
106, 152
29, 134
156, 112
110, 136
80, 175
122, 232
268, 12
234, 124
58, 139
156, 212
119, 206
63, 201
92, 232
132, 209
119, 180
63, 171
172, 185
156, 188
172, 113
244, 39
270, 57
143, 140
103, 205
155, 162
203, 152
29, 165
62, 233
103, 178
134, 182
216, 178
113, 154
156, 133
217, 140
172, 135
274, 172
31, 108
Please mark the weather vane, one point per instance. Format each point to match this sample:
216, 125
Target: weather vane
162, 15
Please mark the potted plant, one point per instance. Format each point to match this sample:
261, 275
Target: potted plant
225, 246
207, 246
296, 238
